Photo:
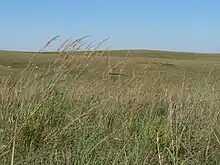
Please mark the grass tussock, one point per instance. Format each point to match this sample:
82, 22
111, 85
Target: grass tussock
54, 116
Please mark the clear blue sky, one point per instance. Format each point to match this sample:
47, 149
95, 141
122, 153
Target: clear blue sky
182, 25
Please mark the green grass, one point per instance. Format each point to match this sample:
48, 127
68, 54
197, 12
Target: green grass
73, 111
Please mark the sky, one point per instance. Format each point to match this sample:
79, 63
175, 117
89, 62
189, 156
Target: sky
176, 25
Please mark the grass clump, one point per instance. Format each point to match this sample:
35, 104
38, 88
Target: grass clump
55, 115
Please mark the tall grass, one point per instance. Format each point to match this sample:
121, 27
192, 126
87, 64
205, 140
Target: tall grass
52, 116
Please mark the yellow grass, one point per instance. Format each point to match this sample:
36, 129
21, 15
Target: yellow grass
147, 107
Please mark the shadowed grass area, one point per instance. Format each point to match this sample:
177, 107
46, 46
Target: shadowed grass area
109, 110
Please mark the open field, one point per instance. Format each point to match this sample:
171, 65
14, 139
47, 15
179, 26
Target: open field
150, 107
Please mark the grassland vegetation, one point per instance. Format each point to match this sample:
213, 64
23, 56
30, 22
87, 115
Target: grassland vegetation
94, 107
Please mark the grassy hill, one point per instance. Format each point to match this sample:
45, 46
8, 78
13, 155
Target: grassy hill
152, 107
173, 63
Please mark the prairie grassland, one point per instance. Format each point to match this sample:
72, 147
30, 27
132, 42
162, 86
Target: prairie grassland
109, 109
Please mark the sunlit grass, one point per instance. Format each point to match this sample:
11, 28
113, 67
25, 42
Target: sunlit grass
99, 111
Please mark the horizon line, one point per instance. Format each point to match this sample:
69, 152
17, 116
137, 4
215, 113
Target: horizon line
155, 50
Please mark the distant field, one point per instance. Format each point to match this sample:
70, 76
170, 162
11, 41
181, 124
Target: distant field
172, 64
150, 107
